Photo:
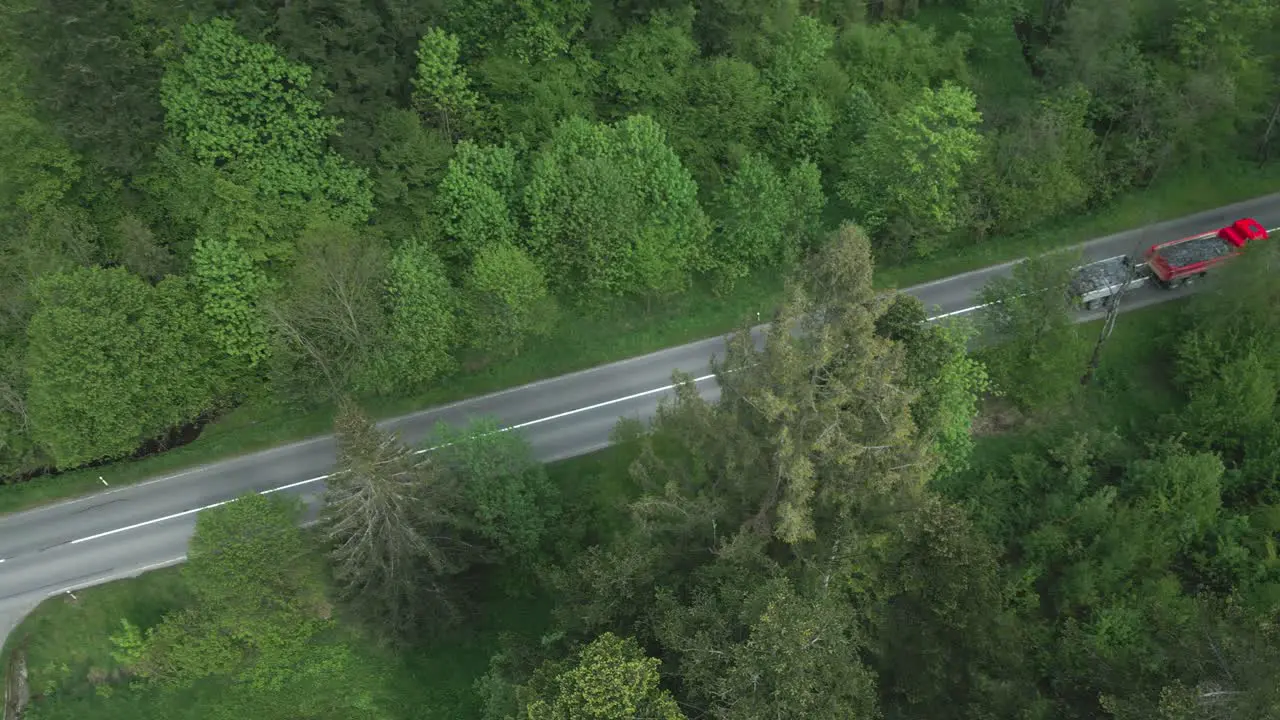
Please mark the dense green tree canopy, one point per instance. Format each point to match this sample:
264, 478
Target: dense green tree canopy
612, 210
237, 212
240, 106
105, 377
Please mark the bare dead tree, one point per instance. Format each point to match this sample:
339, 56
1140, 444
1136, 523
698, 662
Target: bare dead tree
392, 532
1264, 145
329, 316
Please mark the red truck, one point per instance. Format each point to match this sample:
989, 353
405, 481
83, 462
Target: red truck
1178, 262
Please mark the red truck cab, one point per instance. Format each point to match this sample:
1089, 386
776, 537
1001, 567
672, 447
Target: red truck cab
1179, 261
1242, 231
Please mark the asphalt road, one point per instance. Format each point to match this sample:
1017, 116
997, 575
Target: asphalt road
122, 532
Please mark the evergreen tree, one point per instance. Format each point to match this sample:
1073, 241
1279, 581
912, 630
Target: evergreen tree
390, 523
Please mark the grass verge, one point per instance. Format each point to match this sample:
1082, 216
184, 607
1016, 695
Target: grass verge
628, 329
74, 675
1130, 391
69, 647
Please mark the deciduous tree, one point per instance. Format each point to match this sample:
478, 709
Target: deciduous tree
504, 490
1034, 348
107, 376
505, 300
442, 89
411, 161
328, 316
648, 67
422, 327
612, 211
241, 106
950, 381
907, 179
258, 610
753, 647
474, 200
1045, 164
40, 167
764, 218
725, 106
612, 679
543, 29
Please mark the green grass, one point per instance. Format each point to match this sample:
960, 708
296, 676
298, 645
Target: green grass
69, 648
71, 667
629, 329
1130, 392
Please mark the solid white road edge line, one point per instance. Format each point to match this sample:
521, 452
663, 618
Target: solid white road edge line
529, 423
557, 416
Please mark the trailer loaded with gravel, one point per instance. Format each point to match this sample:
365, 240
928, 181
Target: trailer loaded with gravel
1178, 262
1167, 265
1096, 283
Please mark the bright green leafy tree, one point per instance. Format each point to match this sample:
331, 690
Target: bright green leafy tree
1034, 351
506, 301
907, 178
108, 375
474, 200
422, 327
612, 211
258, 612
441, 87
510, 502
764, 218
612, 679
242, 106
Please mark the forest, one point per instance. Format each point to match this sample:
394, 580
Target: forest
209, 204
858, 527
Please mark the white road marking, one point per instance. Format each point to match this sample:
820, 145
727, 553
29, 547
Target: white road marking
145, 523
957, 312
518, 426
300, 483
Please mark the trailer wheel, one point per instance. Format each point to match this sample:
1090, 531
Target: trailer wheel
1088, 304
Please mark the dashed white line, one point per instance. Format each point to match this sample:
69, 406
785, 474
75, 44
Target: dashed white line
518, 426
957, 312
300, 483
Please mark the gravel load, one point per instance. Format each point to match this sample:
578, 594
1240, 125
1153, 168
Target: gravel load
1194, 251
1100, 275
